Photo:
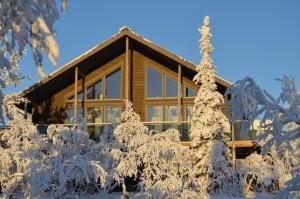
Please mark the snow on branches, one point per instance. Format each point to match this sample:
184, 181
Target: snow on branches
279, 120
25, 23
249, 103
158, 165
210, 151
58, 164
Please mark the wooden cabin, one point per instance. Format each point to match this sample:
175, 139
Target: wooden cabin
94, 86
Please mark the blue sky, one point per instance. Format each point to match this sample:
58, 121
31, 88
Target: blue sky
254, 38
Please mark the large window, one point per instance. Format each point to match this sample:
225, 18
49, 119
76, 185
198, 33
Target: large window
113, 114
171, 88
94, 91
154, 113
154, 83
113, 85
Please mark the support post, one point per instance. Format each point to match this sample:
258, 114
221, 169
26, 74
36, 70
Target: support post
84, 95
127, 79
75, 95
179, 90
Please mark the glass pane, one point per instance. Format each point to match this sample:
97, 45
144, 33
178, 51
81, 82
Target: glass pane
94, 115
154, 83
71, 114
90, 92
79, 96
154, 113
171, 113
98, 90
190, 92
171, 88
189, 112
113, 114
94, 91
112, 85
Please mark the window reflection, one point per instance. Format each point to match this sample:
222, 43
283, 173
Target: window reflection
189, 112
190, 92
113, 114
95, 91
154, 113
172, 113
171, 88
112, 85
71, 114
154, 83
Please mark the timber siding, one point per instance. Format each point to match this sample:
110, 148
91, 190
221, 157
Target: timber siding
132, 53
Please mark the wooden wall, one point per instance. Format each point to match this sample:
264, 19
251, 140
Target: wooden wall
53, 110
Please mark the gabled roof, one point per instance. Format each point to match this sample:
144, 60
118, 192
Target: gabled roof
102, 54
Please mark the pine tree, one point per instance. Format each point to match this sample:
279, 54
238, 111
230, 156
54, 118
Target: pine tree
211, 161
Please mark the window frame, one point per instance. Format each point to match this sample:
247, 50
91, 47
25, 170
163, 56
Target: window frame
146, 82
176, 80
108, 72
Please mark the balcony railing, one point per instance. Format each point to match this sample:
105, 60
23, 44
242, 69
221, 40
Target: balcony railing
95, 130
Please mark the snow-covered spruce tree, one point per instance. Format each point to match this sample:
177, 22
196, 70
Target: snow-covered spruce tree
212, 165
249, 103
158, 162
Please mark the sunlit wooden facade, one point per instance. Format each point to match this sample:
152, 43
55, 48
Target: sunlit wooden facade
126, 66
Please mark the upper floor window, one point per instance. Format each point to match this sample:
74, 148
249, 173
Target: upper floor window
171, 88
94, 91
113, 85
190, 92
79, 96
154, 83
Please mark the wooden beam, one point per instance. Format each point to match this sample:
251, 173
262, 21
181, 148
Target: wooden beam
179, 85
127, 79
75, 95
81, 74
84, 97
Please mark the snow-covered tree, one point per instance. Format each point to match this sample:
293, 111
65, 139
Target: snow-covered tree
279, 120
212, 165
23, 24
158, 164
58, 164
